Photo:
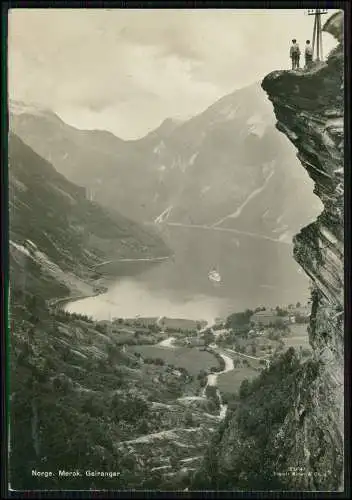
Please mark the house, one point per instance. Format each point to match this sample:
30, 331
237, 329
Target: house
268, 318
146, 322
219, 321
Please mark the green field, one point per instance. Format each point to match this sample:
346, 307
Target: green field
191, 359
180, 323
230, 382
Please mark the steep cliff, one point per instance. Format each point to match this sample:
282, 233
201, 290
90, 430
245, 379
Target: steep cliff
287, 432
309, 108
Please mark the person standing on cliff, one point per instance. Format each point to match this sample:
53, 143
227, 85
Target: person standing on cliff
308, 54
295, 54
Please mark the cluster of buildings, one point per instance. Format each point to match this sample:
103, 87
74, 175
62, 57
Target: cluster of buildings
272, 318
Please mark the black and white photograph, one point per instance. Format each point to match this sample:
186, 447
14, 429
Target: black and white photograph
176, 249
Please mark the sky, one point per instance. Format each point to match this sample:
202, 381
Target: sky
126, 70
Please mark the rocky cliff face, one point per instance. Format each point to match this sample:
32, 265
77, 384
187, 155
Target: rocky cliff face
310, 110
301, 447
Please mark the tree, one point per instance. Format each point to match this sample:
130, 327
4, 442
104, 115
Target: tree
66, 351
298, 305
189, 419
239, 319
282, 312
143, 426
113, 353
208, 337
244, 388
238, 347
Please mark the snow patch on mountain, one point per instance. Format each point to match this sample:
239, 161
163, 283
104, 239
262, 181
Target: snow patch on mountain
205, 189
20, 248
280, 229
192, 159
49, 267
19, 107
250, 197
229, 112
164, 215
19, 185
286, 237
159, 148
257, 125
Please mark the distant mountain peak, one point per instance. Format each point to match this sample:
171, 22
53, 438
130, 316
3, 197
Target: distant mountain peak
166, 127
171, 122
17, 107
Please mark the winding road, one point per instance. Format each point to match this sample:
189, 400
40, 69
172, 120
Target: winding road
131, 261
267, 361
212, 378
224, 229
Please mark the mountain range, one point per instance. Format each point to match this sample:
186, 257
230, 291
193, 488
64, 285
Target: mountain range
227, 167
53, 224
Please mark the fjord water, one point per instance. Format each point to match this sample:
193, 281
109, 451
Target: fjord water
254, 271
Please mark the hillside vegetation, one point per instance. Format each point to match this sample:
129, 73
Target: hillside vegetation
54, 214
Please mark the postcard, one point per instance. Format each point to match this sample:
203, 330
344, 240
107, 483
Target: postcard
176, 250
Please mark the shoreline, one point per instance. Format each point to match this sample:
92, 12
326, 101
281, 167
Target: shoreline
59, 303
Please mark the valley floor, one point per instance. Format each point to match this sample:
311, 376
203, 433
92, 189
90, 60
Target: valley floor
137, 396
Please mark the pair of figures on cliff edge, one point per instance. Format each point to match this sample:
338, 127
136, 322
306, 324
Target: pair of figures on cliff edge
295, 54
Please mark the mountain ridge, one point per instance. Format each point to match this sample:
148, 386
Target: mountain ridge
200, 170
84, 233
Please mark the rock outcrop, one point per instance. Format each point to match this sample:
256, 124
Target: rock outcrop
309, 107
334, 26
301, 447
